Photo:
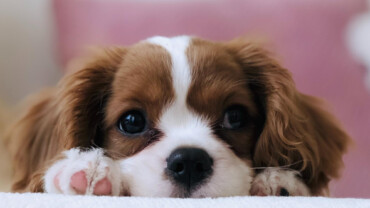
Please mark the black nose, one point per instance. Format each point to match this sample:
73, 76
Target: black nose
189, 166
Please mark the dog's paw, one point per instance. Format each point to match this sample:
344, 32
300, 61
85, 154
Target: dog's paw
84, 172
278, 182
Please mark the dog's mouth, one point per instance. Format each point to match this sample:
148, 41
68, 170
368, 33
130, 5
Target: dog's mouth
178, 192
181, 191
187, 171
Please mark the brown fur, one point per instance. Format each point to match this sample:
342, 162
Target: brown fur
297, 130
143, 82
61, 118
287, 127
213, 89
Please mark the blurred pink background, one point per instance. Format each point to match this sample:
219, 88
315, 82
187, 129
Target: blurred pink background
308, 36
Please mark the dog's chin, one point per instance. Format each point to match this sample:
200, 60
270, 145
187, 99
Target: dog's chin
199, 192
220, 184
209, 189
203, 190
188, 194
183, 192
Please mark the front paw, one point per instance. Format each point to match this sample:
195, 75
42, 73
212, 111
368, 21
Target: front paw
84, 172
278, 182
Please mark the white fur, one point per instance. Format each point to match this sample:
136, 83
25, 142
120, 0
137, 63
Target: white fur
95, 165
181, 76
182, 128
144, 172
271, 180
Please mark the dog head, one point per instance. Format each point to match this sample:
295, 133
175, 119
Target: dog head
191, 118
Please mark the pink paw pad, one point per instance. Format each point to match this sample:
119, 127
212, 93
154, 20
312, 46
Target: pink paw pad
103, 187
79, 182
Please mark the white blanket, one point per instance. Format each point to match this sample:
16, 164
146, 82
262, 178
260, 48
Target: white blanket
8, 200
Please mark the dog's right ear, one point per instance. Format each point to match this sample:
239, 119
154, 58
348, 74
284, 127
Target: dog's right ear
298, 131
63, 117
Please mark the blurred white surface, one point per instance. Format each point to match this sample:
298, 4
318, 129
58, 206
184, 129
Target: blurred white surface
70, 201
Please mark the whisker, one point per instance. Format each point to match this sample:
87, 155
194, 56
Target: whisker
115, 153
283, 166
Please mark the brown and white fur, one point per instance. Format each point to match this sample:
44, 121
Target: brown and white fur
68, 140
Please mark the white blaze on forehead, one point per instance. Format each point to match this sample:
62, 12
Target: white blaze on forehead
178, 114
176, 47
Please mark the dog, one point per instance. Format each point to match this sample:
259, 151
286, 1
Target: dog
177, 117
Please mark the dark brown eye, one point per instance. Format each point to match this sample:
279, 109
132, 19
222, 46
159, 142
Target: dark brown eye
235, 117
132, 122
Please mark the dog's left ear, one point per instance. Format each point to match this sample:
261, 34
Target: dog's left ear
69, 115
83, 95
297, 131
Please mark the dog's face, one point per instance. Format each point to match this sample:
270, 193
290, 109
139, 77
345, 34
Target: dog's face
183, 117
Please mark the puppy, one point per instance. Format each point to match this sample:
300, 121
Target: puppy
177, 117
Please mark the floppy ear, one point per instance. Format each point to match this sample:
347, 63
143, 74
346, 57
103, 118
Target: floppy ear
69, 115
297, 131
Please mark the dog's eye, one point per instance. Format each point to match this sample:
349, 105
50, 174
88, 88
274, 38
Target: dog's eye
132, 122
234, 117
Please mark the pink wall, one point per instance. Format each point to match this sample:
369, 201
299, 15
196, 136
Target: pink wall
308, 37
